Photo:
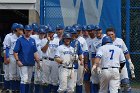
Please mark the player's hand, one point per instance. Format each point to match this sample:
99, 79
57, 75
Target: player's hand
131, 66
7, 61
86, 69
19, 63
81, 63
93, 68
99, 70
48, 38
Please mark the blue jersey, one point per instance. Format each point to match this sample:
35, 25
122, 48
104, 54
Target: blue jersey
26, 49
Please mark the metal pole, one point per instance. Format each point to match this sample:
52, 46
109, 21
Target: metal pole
41, 12
128, 24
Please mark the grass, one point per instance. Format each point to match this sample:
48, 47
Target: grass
135, 84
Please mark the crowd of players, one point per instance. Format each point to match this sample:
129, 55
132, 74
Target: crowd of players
64, 60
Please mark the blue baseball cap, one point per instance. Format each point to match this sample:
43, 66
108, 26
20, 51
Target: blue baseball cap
28, 28
20, 26
59, 27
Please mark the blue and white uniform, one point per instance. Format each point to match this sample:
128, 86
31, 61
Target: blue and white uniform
49, 66
66, 71
111, 57
120, 43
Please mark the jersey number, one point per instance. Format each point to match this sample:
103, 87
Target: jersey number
112, 52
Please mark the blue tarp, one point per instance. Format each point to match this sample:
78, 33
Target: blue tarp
105, 13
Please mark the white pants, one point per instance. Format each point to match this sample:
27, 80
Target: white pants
67, 81
80, 74
6, 72
26, 74
109, 78
50, 72
13, 69
38, 73
124, 73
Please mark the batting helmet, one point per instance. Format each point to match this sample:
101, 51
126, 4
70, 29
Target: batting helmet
78, 27
73, 30
20, 26
84, 28
106, 39
50, 30
35, 27
42, 29
28, 28
67, 29
14, 26
59, 27
90, 27
97, 28
67, 35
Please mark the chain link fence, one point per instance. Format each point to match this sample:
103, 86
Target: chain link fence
134, 37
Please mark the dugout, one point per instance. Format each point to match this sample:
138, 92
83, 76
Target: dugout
16, 11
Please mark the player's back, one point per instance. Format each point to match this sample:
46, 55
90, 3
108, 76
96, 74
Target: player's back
111, 55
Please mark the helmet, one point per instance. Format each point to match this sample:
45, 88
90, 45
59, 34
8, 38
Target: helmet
66, 35
73, 30
67, 29
50, 30
77, 27
84, 28
42, 29
106, 39
28, 27
14, 26
90, 27
20, 26
35, 27
59, 27
97, 28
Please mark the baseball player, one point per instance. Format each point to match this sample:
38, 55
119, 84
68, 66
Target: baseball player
7, 61
124, 73
85, 32
65, 56
80, 72
97, 42
38, 72
89, 40
59, 31
50, 67
14, 73
111, 60
25, 52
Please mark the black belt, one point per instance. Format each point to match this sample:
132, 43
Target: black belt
51, 59
68, 67
109, 67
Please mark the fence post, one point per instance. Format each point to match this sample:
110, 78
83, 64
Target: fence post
128, 24
42, 12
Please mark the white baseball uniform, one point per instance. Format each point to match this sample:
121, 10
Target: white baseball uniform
111, 57
6, 67
49, 66
14, 73
96, 43
80, 71
66, 71
120, 43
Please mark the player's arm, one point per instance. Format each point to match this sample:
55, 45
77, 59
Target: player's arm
97, 59
15, 51
45, 48
122, 60
57, 56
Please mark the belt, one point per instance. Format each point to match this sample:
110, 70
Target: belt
109, 67
51, 59
68, 67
